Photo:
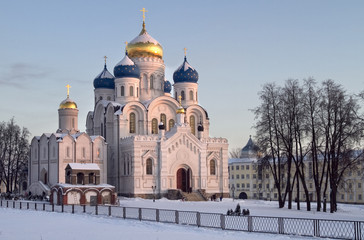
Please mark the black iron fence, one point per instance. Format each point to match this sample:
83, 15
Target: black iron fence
338, 229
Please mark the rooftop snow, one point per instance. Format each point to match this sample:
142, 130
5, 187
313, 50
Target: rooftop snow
186, 66
84, 166
105, 74
144, 38
126, 61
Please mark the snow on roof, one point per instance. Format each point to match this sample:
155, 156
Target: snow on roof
242, 160
107, 102
144, 38
105, 74
104, 185
84, 166
126, 61
186, 66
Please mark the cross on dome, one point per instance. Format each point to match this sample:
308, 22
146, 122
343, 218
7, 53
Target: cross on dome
144, 11
68, 90
105, 59
185, 49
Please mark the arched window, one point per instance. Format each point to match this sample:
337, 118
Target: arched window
149, 167
132, 123
151, 82
182, 95
191, 95
164, 119
131, 91
100, 97
212, 167
91, 178
171, 124
122, 91
68, 177
154, 126
80, 178
192, 124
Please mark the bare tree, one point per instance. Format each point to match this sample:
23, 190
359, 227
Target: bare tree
235, 153
14, 149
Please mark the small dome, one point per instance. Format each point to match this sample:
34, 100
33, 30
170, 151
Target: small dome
67, 104
126, 68
180, 110
104, 80
185, 73
250, 149
144, 45
167, 86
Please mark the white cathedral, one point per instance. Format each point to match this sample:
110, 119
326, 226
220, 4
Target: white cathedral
143, 140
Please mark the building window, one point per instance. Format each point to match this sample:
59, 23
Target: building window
243, 185
247, 176
132, 123
83, 152
182, 95
91, 178
131, 91
359, 197
276, 195
164, 119
137, 92
237, 185
247, 167
232, 167
171, 124
342, 196
68, 177
232, 176
192, 124
237, 167
213, 168
149, 167
248, 185
254, 186
242, 176
73, 123
191, 95
267, 186
359, 185
151, 82
80, 178
237, 176
154, 126
267, 176
122, 91
254, 176
242, 167
68, 152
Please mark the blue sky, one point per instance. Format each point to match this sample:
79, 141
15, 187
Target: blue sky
236, 47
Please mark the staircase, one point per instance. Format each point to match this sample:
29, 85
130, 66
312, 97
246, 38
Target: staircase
192, 197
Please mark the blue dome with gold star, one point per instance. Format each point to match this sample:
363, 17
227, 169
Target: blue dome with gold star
104, 80
167, 86
126, 68
185, 73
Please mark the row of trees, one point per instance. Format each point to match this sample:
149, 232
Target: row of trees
309, 121
14, 149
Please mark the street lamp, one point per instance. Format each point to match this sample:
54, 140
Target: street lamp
154, 187
233, 190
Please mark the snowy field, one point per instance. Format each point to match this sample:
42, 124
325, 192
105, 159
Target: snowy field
37, 225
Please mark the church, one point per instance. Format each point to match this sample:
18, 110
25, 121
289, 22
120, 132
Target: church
145, 140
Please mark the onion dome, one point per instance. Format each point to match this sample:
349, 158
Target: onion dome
126, 68
185, 73
167, 86
250, 149
104, 80
144, 45
68, 103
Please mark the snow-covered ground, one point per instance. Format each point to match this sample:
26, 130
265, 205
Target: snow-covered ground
38, 225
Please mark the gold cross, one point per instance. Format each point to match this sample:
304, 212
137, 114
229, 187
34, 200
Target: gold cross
126, 44
185, 51
144, 11
68, 90
105, 59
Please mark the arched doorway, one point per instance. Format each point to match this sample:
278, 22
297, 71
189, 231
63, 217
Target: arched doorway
184, 179
243, 195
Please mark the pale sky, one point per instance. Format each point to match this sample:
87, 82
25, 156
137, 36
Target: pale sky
236, 47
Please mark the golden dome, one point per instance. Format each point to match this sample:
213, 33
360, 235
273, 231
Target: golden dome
180, 110
67, 104
144, 45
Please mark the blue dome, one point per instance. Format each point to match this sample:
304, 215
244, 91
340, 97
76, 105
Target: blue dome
126, 68
104, 80
185, 73
167, 87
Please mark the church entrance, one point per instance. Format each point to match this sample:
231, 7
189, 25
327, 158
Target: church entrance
184, 179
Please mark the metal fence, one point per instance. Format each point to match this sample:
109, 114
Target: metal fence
338, 229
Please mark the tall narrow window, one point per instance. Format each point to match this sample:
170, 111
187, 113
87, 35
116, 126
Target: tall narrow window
164, 119
191, 95
131, 91
151, 82
149, 167
83, 152
122, 91
80, 178
132, 123
171, 124
212, 167
68, 152
91, 178
137, 92
154, 126
182, 95
192, 124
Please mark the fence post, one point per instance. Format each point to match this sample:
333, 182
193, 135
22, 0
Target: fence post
73, 208
62, 207
176, 213
140, 214
20, 205
124, 212
250, 223
27, 205
43, 206
96, 210
13, 204
35, 206
280, 225
157, 215
316, 227
222, 221
84, 208
357, 231
109, 210
52, 207
198, 219
7, 203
